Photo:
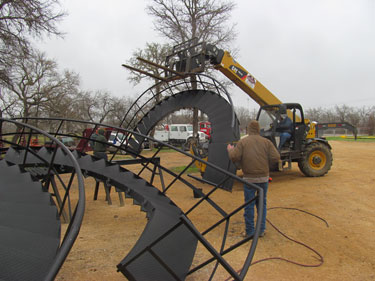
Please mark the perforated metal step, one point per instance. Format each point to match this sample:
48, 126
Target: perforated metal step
29, 226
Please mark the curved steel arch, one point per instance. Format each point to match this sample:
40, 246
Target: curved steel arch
225, 129
162, 90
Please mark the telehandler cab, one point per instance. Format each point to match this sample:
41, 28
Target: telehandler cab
313, 155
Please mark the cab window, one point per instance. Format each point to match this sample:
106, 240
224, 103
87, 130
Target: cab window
297, 115
267, 117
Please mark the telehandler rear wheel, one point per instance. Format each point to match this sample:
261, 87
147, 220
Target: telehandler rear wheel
317, 160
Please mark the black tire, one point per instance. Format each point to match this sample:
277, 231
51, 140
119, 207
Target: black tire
316, 161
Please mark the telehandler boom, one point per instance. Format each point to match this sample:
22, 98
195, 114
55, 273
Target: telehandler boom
313, 154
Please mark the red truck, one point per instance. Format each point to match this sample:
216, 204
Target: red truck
205, 127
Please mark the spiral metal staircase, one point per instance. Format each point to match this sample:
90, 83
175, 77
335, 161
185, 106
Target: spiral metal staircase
34, 199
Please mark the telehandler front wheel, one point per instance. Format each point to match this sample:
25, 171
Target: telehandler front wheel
316, 161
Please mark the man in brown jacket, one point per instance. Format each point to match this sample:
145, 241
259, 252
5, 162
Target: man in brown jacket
255, 154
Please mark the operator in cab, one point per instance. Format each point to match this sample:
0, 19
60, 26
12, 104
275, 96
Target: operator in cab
285, 128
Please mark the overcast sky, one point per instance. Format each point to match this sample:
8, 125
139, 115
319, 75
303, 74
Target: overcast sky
319, 53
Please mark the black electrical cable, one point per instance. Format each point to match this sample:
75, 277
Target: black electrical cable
320, 259
303, 211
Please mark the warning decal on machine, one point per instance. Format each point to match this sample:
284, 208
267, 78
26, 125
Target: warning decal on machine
250, 80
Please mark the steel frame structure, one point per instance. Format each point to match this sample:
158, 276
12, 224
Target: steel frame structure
217, 255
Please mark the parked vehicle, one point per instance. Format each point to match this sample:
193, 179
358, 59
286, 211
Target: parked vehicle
116, 138
68, 141
205, 127
179, 134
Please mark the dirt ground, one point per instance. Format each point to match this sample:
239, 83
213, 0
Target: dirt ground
345, 198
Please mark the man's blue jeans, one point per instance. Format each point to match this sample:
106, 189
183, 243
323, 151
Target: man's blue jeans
249, 209
283, 138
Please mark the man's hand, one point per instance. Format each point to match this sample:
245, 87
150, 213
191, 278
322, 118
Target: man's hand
230, 147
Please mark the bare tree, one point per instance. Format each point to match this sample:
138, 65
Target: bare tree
186, 19
105, 104
314, 114
62, 105
120, 107
371, 124
7, 105
321, 115
20, 19
95, 106
182, 20
33, 83
244, 116
342, 112
154, 52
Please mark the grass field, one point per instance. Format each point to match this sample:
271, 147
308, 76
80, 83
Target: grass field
351, 138
179, 169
